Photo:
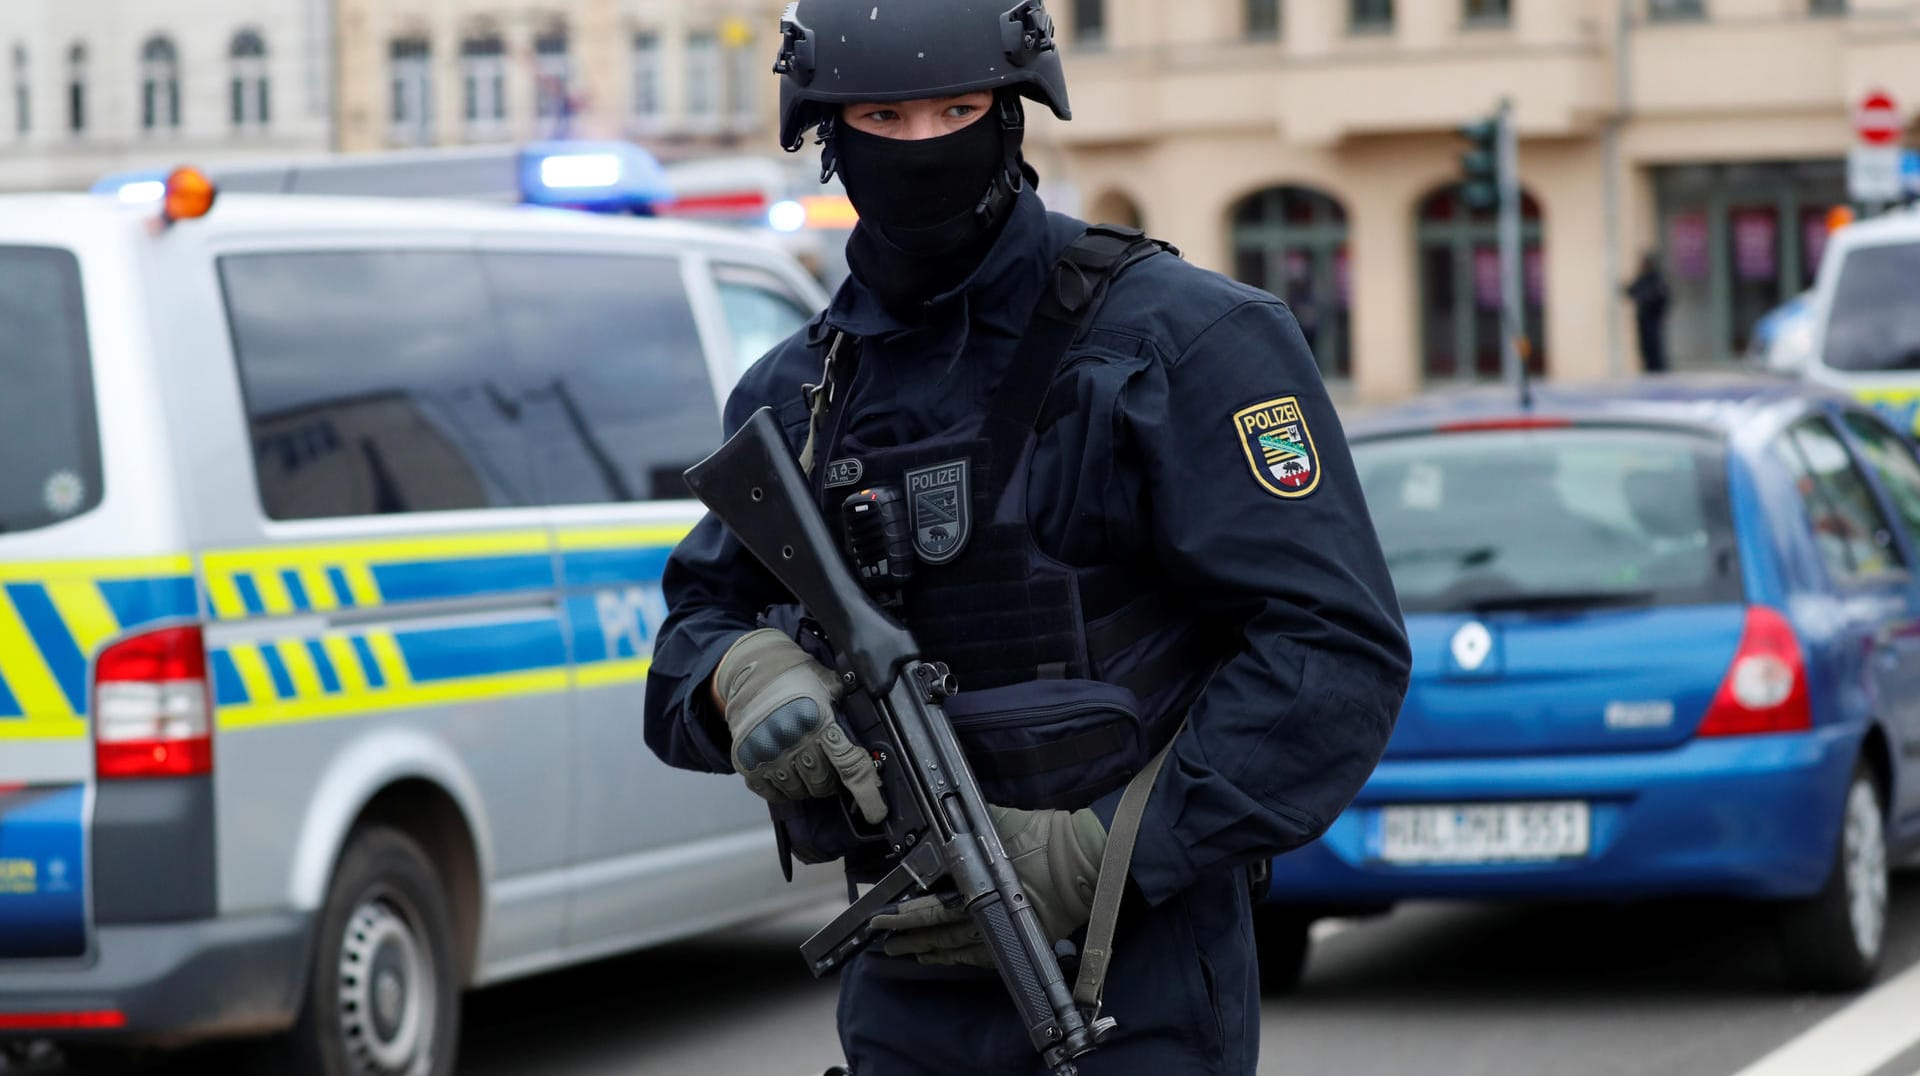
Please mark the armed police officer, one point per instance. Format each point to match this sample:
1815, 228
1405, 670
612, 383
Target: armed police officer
1135, 527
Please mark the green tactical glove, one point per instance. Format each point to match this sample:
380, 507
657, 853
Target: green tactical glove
1055, 854
778, 703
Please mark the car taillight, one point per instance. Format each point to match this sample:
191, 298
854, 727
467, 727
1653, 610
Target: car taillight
150, 712
1765, 689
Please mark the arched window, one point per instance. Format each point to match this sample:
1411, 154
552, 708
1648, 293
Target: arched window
483, 76
159, 85
1292, 241
77, 88
22, 93
248, 99
1460, 286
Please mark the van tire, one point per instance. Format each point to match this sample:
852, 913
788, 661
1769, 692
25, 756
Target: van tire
1833, 942
383, 997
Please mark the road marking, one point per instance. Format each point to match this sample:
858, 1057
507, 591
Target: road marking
1858, 1039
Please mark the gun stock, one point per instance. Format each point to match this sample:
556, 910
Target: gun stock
753, 484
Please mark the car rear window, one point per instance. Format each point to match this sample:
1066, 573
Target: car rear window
1875, 320
1555, 518
49, 437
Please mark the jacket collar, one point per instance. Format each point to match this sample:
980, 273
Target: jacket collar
999, 293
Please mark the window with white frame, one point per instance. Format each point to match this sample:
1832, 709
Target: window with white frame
703, 77
483, 76
649, 79
248, 104
553, 81
22, 93
159, 85
410, 76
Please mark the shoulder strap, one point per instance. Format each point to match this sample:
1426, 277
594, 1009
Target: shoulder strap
1065, 311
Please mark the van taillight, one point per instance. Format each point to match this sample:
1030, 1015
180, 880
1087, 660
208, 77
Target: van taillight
150, 707
1765, 689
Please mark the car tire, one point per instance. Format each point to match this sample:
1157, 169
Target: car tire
1282, 939
383, 997
1833, 942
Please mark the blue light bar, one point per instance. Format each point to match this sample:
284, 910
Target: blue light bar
134, 188
592, 175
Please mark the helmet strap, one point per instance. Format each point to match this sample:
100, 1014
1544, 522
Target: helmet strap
829, 149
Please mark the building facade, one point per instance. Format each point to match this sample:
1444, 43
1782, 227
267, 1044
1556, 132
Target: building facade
682, 77
1310, 147
96, 86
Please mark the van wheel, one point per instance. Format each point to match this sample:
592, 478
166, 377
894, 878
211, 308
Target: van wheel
382, 998
1833, 941
1282, 938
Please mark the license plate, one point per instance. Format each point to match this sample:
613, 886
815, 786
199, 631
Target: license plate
1485, 833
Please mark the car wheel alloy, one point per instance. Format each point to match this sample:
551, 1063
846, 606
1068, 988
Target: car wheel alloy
1834, 940
1864, 851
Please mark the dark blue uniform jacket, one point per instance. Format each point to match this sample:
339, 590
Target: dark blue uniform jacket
1155, 454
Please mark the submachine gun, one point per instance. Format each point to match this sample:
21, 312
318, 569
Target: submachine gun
937, 822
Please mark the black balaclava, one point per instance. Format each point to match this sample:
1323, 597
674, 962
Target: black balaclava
929, 210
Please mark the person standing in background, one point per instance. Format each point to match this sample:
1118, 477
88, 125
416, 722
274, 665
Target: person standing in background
1651, 299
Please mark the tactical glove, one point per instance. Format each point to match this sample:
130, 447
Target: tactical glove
1055, 854
787, 743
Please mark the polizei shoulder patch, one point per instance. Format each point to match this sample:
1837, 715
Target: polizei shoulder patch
1279, 447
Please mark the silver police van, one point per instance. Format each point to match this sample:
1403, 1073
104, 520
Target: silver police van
331, 536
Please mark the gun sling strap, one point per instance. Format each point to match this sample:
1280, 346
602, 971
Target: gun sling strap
1096, 953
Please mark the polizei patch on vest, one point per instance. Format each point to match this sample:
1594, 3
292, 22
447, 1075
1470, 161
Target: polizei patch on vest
847, 472
942, 500
1279, 447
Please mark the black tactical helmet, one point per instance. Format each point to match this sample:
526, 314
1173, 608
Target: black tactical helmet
836, 52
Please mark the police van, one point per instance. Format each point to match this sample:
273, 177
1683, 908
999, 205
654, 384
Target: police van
331, 537
1864, 316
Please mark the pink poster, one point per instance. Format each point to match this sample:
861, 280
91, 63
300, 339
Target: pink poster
1486, 278
1687, 241
1756, 244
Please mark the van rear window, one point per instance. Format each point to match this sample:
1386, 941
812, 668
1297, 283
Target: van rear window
1552, 519
1875, 321
49, 436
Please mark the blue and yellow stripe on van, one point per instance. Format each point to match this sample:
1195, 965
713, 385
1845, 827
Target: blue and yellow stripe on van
610, 611
1901, 407
285, 580
53, 618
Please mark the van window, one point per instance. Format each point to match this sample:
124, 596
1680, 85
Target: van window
619, 400
1853, 535
375, 383
1875, 320
761, 311
49, 436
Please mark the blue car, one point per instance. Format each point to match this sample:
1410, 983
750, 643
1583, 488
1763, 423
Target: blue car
1666, 641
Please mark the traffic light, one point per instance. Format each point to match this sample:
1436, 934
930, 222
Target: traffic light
1480, 164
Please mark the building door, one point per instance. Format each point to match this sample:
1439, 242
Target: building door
1292, 241
1737, 241
1460, 287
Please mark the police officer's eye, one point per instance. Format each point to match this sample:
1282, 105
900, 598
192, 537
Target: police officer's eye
882, 115
961, 112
